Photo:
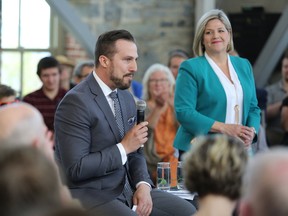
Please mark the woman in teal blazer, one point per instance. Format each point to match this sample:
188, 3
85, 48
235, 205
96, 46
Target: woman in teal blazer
204, 99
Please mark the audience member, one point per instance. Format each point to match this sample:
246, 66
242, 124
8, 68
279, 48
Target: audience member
7, 95
22, 125
276, 93
136, 89
176, 57
210, 88
49, 95
284, 121
158, 83
265, 188
82, 70
261, 144
28, 182
213, 168
98, 144
66, 67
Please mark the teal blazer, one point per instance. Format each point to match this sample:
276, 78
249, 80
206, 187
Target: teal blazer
200, 98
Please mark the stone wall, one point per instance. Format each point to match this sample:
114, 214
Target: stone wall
158, 26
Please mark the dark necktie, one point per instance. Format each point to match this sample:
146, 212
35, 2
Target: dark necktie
127, 192
118, 113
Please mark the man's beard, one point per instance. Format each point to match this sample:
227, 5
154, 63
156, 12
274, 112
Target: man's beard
119, 82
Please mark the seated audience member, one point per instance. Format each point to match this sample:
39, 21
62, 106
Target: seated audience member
276, 94
66, 67
158, 83
82, 70
7, 95
284, 121
28, 182
49, 95
265, 188
22, 125
176, 57
213, 168
136, 89
261, 144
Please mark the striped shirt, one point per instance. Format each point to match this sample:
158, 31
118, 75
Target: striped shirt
45, 105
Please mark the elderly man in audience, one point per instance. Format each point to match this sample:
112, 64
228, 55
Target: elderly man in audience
265, 187
82, 70
22, 125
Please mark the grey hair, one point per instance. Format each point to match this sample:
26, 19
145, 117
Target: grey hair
256, 168
78, 69
198, 47
151, 70
265, 183
29, 126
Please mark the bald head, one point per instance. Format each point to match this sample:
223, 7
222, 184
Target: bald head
22, 124
265, 183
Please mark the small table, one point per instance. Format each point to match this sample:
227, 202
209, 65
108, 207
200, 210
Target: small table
182, 193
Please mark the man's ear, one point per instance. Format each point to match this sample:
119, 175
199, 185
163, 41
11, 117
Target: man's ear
104, 61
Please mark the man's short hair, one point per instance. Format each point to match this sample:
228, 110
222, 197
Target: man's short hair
177, 53
47, 62
78, 69
6, 91
105, 44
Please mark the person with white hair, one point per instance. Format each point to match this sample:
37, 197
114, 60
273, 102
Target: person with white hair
23, 125
158, 89
265, 188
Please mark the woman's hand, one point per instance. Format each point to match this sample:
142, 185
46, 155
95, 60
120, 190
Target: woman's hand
246, 134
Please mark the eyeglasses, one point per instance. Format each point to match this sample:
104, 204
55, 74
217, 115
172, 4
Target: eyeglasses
7, 103
160, 81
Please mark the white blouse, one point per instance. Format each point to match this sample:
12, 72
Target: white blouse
233, 91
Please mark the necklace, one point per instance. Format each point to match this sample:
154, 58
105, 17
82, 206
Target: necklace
236, 107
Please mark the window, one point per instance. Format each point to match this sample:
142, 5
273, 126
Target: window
25, 39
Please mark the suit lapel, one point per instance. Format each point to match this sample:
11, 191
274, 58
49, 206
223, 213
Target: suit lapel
102, 102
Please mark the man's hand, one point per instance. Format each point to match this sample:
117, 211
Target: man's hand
142, 198
136, 137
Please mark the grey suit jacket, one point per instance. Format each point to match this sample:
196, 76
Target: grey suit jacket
86, 135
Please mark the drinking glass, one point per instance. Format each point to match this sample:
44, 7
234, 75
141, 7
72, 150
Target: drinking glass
163, 175
180, 178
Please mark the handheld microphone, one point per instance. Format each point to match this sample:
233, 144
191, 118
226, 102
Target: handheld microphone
141, 106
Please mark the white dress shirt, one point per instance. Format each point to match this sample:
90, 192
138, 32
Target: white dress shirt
233, 91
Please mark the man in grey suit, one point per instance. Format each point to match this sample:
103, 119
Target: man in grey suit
99, 162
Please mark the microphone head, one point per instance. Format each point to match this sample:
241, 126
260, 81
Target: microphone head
141, 105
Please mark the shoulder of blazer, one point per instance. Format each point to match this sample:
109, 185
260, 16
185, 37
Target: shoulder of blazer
92, 84
196, 60
239, 61
197, 67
